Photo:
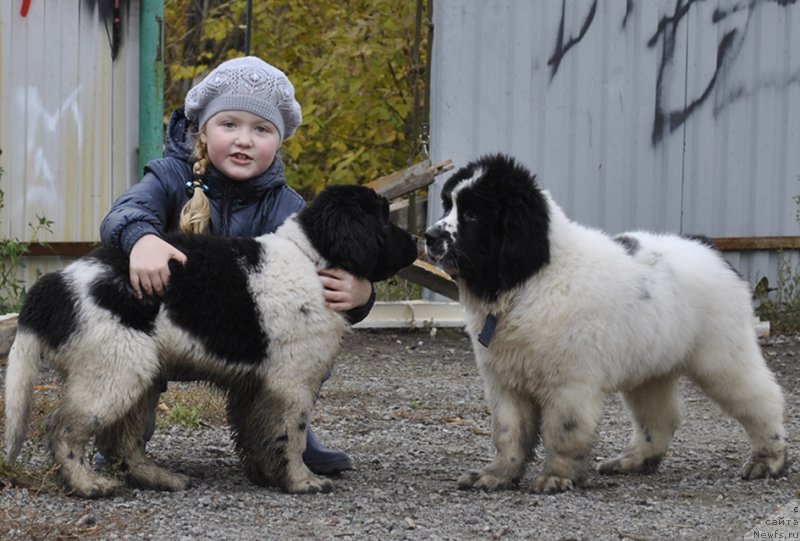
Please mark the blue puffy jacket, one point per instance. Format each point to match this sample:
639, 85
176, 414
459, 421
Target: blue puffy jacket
238, 208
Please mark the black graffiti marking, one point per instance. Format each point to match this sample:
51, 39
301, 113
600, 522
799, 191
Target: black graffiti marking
628, 11
667, 30
720, 14
561, 49
678, 14
668, 121
728, 48
675, 119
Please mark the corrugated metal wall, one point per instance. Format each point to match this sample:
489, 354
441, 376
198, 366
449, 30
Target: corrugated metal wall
68, 116
669, 115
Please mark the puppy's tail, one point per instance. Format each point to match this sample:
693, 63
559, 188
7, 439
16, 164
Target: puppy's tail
23, 365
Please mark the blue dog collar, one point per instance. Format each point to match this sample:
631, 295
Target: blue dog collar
488, 330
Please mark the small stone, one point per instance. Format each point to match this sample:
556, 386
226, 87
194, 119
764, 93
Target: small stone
86, 520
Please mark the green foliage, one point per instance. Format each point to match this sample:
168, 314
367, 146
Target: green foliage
185, 416
353, 67
12, 288
397, 289
780, 305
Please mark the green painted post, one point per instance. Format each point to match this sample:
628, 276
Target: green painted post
151, 81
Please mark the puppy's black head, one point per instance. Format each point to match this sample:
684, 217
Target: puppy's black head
494, 232
349, 226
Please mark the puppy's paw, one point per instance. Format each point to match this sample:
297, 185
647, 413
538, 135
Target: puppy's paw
628, 463
176, 482
552, 484
468, 480
310, 485
765, 464
99, 487
149, 476
484, 481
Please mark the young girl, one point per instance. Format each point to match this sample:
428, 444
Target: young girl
222, 174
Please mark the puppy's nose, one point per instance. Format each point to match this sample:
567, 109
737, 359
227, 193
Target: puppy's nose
434, 235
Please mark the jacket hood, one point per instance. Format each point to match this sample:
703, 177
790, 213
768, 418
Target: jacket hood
179, 139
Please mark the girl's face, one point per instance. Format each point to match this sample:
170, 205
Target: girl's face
240, 144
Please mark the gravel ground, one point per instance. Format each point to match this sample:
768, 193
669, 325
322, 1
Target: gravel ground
408, 407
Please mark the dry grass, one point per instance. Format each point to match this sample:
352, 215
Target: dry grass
192, 405
198, 402
27, 526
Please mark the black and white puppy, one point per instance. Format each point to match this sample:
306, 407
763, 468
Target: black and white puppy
245, 314
561, 314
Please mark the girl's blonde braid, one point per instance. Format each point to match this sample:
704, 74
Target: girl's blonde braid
196, 213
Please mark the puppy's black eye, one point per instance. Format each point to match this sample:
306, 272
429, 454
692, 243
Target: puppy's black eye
468, 215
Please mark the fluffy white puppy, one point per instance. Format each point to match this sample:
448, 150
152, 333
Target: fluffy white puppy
560, 315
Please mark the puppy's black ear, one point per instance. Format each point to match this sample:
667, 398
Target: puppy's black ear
525, 247
341, 225
353, 243
349, 226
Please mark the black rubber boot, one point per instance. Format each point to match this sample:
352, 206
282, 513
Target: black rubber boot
324, 461
100, 461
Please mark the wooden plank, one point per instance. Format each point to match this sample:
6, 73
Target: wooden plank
431, 277
403, 182
743, 244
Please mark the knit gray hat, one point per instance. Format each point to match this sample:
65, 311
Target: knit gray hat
246, 84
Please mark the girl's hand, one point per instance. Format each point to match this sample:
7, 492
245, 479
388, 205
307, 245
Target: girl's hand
149, 265
344, 291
